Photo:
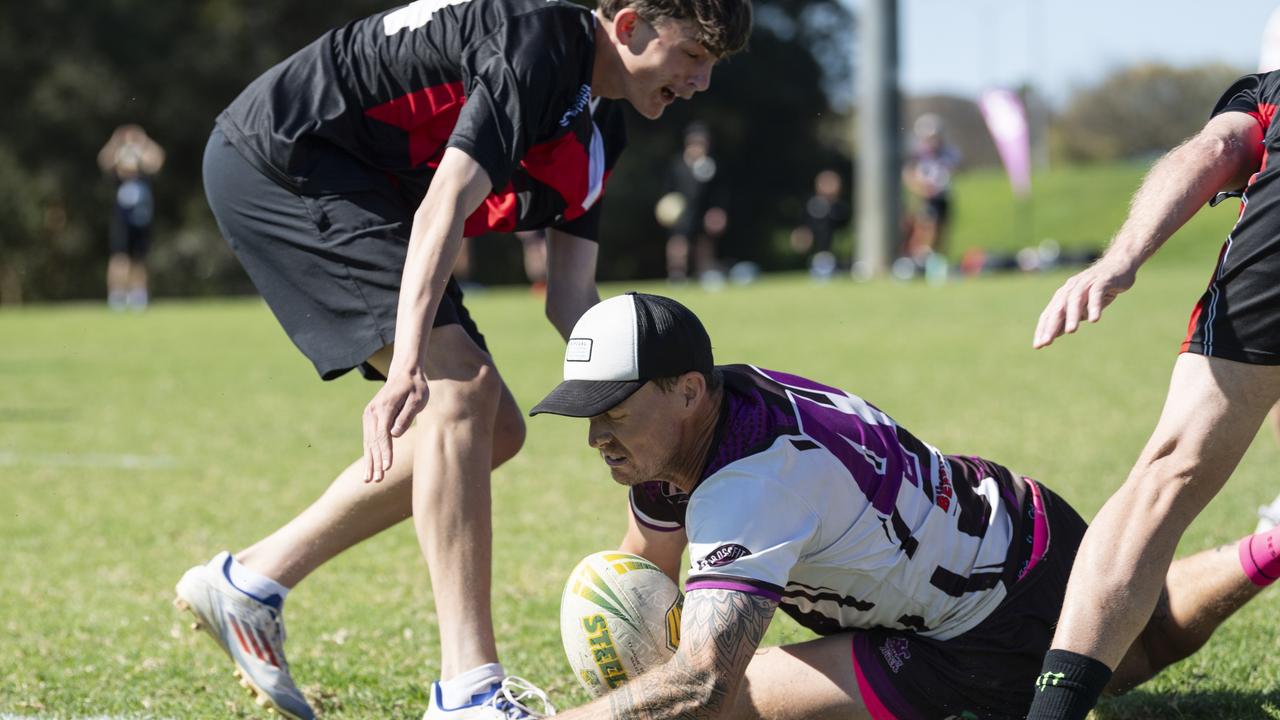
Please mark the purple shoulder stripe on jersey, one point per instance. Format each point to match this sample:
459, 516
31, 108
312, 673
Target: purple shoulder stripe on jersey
753, 420
721, 582
870, 451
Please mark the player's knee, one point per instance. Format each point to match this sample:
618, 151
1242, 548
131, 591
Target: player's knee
1171, 483
509, 433
467, 398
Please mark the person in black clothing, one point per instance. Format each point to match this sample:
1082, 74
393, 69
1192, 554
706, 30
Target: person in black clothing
825, 213
344, 179
130, 158
701, 219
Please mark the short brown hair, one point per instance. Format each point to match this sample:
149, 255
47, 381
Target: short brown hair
722, 26
713, 379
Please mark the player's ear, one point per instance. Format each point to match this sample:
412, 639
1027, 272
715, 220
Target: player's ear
692, 387
625, 23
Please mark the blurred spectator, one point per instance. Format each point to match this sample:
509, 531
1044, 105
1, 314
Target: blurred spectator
689, 210
825, 212
927, 176
130, 157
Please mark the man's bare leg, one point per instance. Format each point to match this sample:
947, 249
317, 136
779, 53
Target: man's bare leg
453, 447
1201, 592
118, 279
1212, 412
811, 680
352, 510
815, 680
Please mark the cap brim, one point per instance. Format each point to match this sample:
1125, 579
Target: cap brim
586, 398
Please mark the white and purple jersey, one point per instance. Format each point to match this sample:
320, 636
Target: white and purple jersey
815, 498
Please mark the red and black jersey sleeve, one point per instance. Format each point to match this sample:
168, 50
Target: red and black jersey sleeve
518, 80
611, 124
1256, 95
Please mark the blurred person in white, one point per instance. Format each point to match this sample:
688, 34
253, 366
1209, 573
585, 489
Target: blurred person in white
927, 175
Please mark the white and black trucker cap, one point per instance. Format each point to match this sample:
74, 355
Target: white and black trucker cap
619, 345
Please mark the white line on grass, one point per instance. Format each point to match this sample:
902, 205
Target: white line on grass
86, 460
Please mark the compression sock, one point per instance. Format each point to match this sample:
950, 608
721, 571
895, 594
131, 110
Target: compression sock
1068, 687
471, 686
255, 585
1260, 557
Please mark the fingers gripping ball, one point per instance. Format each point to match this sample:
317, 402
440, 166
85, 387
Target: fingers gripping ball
619, 617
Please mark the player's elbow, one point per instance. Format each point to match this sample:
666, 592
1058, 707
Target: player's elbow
1237, 153
1221, 148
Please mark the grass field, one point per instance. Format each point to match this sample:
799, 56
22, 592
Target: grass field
133, 446
1078, 207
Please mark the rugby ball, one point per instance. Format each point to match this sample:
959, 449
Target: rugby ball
619, 617
669, 209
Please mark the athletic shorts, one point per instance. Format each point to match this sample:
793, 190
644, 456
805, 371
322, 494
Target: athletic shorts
328, 266
129, 239
1238, 317
989, 672
938, 208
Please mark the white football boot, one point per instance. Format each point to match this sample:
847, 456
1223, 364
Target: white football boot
1268, 516
247, 629
513, 699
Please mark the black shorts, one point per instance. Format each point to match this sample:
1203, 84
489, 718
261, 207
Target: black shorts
328, 266
989, 672
1238, 317
938, 208
127, 238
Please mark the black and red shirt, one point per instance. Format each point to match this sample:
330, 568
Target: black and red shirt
1256, 95
506, 81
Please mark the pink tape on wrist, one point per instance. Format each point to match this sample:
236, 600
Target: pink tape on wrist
1260, 557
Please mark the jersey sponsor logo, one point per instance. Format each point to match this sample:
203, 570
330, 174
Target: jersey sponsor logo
580, 103
722, 556
578, 350
414, 15
942, 497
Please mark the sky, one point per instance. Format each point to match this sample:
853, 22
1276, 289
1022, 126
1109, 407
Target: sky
963, 46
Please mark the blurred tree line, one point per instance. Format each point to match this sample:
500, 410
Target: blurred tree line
1139, 111
74, 71
777, 114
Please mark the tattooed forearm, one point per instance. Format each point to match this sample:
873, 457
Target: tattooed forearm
719, 632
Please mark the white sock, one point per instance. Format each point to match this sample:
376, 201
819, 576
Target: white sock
461, 690
255, 585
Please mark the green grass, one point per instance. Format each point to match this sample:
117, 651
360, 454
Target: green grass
1079, 207
238, 435
134, 446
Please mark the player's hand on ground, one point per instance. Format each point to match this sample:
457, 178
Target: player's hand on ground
389, 415
1082, 297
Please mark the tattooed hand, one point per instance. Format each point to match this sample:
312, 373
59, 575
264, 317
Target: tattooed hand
719, 632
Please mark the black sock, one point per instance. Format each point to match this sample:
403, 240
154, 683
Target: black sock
1068, 687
